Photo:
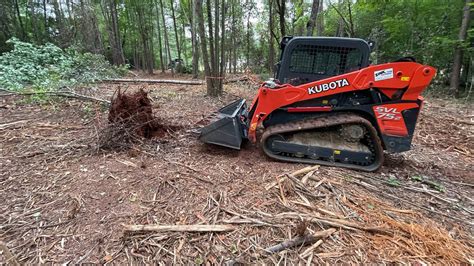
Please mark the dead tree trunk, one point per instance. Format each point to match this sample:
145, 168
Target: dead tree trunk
458, 53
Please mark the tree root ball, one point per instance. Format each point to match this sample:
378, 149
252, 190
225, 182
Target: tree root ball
134, 113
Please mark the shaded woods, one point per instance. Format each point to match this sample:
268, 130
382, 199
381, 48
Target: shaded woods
210, 38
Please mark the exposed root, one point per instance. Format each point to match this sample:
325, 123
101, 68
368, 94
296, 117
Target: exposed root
131, 120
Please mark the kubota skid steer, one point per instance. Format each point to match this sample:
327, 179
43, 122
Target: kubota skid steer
328, 106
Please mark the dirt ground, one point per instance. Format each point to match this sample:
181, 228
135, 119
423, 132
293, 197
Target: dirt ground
66, 201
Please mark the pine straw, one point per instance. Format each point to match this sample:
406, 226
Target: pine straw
373, 225
415, 236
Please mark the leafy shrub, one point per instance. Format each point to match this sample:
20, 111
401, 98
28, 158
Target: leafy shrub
48, 67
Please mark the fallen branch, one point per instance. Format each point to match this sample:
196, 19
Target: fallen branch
166, 81
309, 250
306, 177
471, 123
339, 223
174, 81
300, 240
67, 94
11, 124
294, 174
178, 228
233, 80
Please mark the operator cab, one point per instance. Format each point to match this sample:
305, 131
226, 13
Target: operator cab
307, 59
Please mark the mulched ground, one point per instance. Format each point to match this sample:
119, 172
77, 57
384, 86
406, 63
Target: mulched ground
65, 200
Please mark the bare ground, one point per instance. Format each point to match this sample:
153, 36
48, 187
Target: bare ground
64, 200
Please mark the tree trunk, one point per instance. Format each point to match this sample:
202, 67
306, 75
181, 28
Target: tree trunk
175, 29
88, 28
202, 36
312, 19
320, 19
271, 48
210, 79
46, 32
234, 42
160, 45
183, 41
247, 53
351, 23
216, 41
34, 24
221, 71
147, 56
458, 53
118, 49
281, 12
193, 23
340, 25
165, 34
63, 38
22, 27
111, 18
231, 36
298, 29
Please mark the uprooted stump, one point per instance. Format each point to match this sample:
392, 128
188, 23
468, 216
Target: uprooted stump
133, 112
130, 121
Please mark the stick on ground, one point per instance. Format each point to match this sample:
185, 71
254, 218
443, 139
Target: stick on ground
304, 240
178, 228
294, 174
166, 81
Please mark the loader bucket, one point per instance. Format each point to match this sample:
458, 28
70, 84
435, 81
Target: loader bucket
229, 129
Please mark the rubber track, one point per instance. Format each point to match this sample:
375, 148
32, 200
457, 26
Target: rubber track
320, 122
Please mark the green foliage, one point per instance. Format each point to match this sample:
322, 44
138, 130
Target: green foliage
427, 30
48, 67
392, 181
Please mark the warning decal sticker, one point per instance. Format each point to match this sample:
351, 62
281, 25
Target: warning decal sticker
383, 74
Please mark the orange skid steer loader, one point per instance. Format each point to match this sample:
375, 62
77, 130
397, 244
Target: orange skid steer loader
327, 105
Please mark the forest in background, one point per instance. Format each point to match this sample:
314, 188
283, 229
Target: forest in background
215, 37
